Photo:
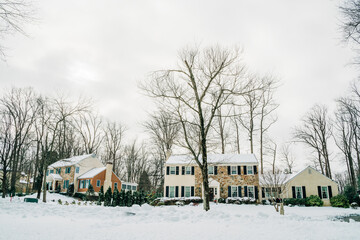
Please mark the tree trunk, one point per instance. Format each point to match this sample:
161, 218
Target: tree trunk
44, 187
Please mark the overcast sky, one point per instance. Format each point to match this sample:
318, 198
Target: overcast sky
101, 49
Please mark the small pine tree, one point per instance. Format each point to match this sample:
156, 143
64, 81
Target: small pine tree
101, 194
108, 196
135, 196
90, 191
115, 201
122, 198
129, 199
70, 190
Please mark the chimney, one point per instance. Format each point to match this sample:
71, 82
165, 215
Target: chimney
108, 175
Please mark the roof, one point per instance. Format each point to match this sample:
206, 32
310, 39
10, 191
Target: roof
70, 161
214, 158
92, 173
55, 176
294, 175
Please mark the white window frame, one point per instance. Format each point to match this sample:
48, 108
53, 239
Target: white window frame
172, 170
87, 183
234, 193
187, 170
172, 191
253, 191
187, 192
326, 192
252, 170
232, 171
298, 190
123, 186
128, 187
212, 171
132, 188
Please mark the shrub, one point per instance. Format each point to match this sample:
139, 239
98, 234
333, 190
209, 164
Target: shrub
314, 201
221, 200
108, 196
60, 202
351, 194
70, 190
339, 201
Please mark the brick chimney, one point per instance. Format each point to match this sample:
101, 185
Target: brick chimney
108, 175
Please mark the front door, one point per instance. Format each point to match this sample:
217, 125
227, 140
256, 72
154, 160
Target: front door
211, 194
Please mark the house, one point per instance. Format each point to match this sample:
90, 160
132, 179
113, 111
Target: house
82, 171
230, 175
301, 185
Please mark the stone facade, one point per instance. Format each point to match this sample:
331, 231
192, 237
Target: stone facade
66, 176
226, 180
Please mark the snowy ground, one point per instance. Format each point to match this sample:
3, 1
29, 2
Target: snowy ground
19, 220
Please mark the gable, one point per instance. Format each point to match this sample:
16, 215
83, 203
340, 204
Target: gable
310, 176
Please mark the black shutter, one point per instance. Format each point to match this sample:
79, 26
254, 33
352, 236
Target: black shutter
263, 192
229, 191
192, 191
182, 191
239, 170
229, 170
245, 191
239, 191
256, 192
330, 192
245, 172
304, 191
319, 192
177, 170
183, 170
293, 192
177, 191
215, 170
167, 170
167, 191
192, 170
255, 170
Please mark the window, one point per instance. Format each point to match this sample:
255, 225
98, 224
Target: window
251, 191
68, 170
58, 171
47, 173
250, 170
267, 192
123, 186
98, 183
172, 192
172, 170
233, 170
87, 183
234, 192
133, 188
298, 192
52, 171
115, 185
215, 192
66, 184
211, 170
128, 187
187, 192
324, 192
188, 170
77, 169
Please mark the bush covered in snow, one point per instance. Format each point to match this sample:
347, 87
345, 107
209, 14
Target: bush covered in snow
339, 201
313, 201
240, 200
172, 201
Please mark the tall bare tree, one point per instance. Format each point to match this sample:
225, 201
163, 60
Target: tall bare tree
204, 80
315, 132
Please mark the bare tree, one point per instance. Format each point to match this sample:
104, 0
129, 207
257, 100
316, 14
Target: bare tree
315, 133
113, 140
287, 157
136, 159
205, 80
13, 15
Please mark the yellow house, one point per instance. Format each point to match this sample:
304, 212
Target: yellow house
309, 182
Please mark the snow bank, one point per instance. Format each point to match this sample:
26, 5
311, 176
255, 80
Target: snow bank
19, 220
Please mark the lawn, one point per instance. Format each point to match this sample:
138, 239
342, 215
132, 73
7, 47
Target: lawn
19, 220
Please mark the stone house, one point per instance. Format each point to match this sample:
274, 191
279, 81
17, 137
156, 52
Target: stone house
300, 185
81, 171
230, 175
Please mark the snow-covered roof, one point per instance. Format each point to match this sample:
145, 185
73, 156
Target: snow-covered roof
55, 176
215, 159
70, 161
92, 173
129, 183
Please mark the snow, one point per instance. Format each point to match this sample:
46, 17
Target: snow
69, 161
215, 159
19, 220
55, 176
92, 173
